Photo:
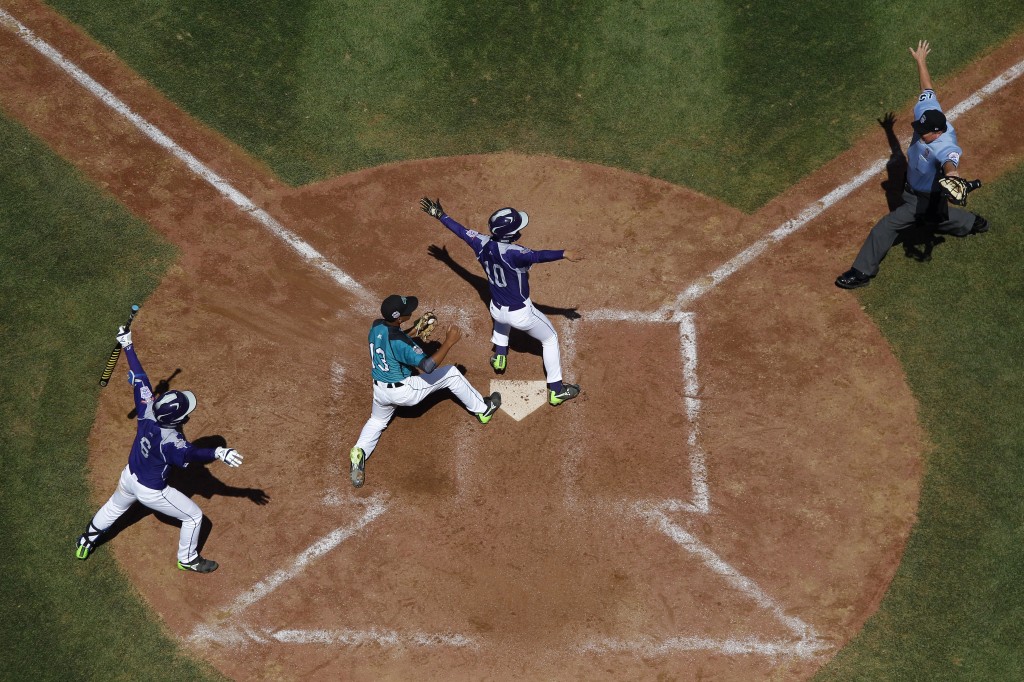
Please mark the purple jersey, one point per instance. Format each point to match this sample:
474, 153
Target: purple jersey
156, 448
506, 266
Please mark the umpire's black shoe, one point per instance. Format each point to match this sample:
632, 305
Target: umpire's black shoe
852, 279
980, 225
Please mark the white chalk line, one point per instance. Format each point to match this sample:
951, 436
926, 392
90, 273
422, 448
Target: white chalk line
375, 506
650, 648
575, 431
332, 496
716, 564
384, 638
222, 186
691, 387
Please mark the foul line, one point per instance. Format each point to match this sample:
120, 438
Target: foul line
225, 189
745, 257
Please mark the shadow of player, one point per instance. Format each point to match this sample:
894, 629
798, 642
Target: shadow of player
482, 289
917, 241
191, 481
518, 341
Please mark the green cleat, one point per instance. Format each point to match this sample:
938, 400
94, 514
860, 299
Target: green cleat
83, 549
569, 391
357, 463
498, 362
493, 402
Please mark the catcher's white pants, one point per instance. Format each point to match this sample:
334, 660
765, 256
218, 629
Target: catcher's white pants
536, 324
412, 392
167, 501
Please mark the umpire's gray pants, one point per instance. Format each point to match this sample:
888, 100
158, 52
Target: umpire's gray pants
930, 209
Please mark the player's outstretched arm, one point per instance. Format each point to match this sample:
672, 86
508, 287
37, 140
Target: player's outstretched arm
921, 57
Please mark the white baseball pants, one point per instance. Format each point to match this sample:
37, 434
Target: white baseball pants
167, 501
536, 324
412, 392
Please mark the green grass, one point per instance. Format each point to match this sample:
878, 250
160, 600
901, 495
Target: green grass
955, 608
71, 263
736, 99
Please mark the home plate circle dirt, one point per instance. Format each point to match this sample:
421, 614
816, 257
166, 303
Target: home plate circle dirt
729, 497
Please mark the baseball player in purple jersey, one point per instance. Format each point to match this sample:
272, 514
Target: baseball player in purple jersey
159, 445
507, 268
933, 152
393, 358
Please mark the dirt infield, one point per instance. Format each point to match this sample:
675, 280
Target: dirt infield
728, 499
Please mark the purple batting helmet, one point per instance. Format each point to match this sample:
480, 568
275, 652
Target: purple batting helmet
506, 223
173, 407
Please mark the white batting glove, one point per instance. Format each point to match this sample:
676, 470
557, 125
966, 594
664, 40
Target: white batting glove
229, 456
124, 336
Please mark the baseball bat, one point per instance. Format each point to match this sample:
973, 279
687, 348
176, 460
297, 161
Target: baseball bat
116, 353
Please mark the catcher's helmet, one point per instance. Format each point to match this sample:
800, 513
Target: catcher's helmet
506, 223
173, 407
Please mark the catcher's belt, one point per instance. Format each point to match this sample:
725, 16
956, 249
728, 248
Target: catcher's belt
383, 384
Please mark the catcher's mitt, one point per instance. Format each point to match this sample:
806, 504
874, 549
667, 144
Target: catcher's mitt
956, 189
424, 326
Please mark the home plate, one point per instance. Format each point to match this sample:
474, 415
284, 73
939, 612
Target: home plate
520, 398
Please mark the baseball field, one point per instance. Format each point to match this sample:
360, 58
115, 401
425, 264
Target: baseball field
765, 477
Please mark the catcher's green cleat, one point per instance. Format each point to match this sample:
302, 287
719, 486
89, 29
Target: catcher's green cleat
498, 362
493, 402
569, 391
357, 462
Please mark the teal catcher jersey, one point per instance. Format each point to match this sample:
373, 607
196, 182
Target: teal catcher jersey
393, 354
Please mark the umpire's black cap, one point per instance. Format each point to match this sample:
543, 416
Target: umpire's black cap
395, 306
931, 121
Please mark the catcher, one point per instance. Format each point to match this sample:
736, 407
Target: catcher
393, 357
933, 182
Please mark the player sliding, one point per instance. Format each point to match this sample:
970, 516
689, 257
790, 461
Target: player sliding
159, 445
507, 267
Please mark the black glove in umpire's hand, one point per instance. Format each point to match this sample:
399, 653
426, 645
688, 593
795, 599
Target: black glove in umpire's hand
956, 189
432, 208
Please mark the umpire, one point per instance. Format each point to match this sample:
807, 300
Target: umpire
933, 152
